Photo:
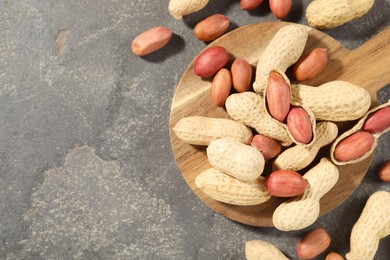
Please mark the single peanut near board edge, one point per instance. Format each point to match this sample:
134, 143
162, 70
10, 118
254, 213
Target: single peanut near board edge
313, 243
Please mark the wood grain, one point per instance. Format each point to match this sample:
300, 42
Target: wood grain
367, 66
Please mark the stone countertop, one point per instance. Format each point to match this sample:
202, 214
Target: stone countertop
86, 166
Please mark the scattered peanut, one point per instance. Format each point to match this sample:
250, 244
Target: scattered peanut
280, 8
334, 256
212, 27
259, 249
227, 189
248, 108
304, 210
199, 130
327, 14
151, 40
250, 4
232, 157
179, 8
289, 39
242, 75
221, 86
313, 243
267, 146
378, 121
299, 125
310, 65
278, 96
284, 183
300, 156
354, 146
384, 171
210, 61
372, 225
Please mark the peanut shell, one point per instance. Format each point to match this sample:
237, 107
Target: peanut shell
259, 249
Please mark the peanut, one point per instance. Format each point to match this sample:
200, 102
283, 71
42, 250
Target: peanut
221, 86
280, 8
151, 40
267, 146
299, 125
179, 8
310, 65
285, 184
327, 14
354, 146
236, 159
200, 130
212, 27
384, 171
334, 256
333, 101
227, 189
250, 4
241, 74
259, 249
313, 243
210, 61
304, 210
372, 225
248, 108
300, 156
284, 50
378, 121
278, 96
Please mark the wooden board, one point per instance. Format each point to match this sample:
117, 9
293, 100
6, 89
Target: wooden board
368, 66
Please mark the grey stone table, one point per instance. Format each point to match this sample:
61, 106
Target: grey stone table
86, 166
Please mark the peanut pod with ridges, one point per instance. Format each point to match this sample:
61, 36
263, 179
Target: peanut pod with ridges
224, 188
372, 225
259, 249
304, 210
333, 101
285, 48
201, 130
248, 109
300, 156
236, 159
362, 126
179, 8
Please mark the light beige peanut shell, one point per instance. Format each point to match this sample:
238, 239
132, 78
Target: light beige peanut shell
327, 14
236, 159
179, 8
224, 188
200, 130
333, 101
300, 156
355, 129
259, 249
248, 109
284, 50
372, 225
304, 210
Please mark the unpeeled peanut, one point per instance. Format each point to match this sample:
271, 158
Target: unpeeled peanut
280, 8
334, 256
210, 61
378, 121
284, 183
211, 27
241, 74
221, 86
299, 125
151, 40
372, 225
232, 157
267, 146
227, 189
250, 4
259, 249
179, 8
313, 243
384, 171
310, 65
278, 96
354, 146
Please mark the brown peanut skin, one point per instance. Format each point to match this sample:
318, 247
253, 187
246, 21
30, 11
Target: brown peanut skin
334, 256
310, 65
250, 4
285, 184
151, 40
384, 171
313, 243
211, 27
241, 74
299, 125
378, 121
221, 86
267, 146
210, 61
278, 96
280, 8
354, 146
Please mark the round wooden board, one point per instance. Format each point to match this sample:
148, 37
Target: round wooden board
367, 66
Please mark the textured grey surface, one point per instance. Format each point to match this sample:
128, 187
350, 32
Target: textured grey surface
86, 168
